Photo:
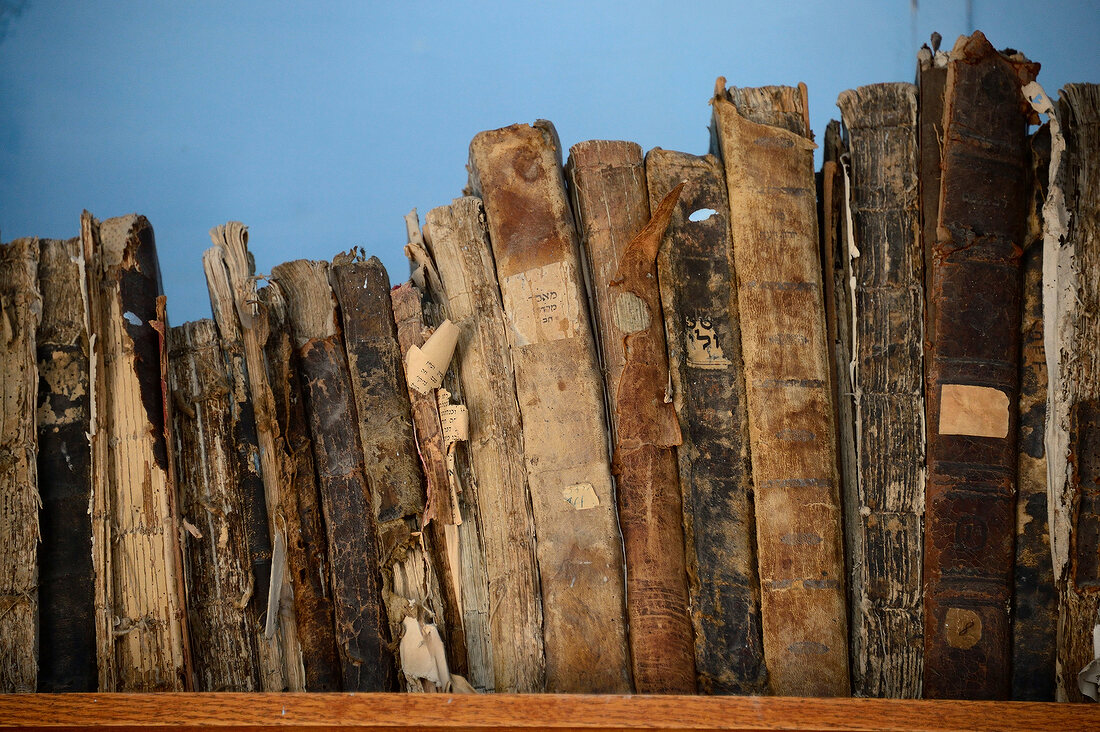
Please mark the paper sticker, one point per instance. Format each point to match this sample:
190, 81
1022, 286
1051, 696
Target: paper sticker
424, 367
580, 496
542, 304
978, 411
630, 313
963, 628
703, 351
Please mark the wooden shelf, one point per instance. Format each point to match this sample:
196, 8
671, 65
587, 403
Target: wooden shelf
524, 712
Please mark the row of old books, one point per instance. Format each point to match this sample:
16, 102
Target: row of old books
660, 423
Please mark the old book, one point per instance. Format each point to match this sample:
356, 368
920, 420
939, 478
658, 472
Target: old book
763, 137
886, 368
140, 619
299, 511
458, 239
467, 642
20, 308
973, 374
696, 278
232, 287
1035, 598
409, 585
611, 204
66, 584
361, 632
517, 172
1071, 258
931, 78
218, 560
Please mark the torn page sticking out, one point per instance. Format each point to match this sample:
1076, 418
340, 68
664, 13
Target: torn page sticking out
425, 367
454, 418
417, 661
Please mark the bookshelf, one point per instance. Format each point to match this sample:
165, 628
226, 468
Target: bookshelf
235, 711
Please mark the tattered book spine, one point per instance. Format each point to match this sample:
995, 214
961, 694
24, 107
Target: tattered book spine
974, 375
517, 171
217, 557
887, 282
20, 310
140, 618
763, 136
611, 204
66, 583
696, 279
361, 633
459, 241
1071, 257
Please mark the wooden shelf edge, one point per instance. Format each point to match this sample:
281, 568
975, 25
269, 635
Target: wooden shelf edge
227, 711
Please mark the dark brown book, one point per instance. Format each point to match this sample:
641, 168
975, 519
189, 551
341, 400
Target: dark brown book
19, 531
66, 585
517, 172
1071, 255
887, 315
140, 617
699, 303
931, 78
217, 557
974, 373
764, 139
299, 511
361, 628
611, 204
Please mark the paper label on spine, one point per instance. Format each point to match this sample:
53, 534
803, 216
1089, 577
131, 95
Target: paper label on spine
542, 303
977, 411
703, 351
454, 418
424, 367
581, 496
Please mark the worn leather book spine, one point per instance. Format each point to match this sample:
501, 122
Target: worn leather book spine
232, 287
21, 309
467, 641
931, 78
887, 270
1071, 259
458, 238
763, 137
517, 172
361, 628
611, 204
974, 374
389, 446
299, 511
66, 584
216, 552
140, 617
1035, 598
696, 279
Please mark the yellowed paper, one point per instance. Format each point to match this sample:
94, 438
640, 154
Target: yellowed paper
703, 351
424, 367
580, 496
978, 411
417, 661
454, 418
542, 303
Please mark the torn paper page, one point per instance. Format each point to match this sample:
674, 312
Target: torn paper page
424, 367
580, 496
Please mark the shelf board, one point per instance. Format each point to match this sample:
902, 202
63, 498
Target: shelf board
231, 711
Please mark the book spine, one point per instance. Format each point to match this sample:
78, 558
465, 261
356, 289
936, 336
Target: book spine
696, 278
299, 511
468, 642
887, 266
610, 200
931, 79
763, 136
232, 289
217, 556
974, 374
517, 171
389, 446
1071, 259
140, 619
361, 635
20, 310
1035, 597
66, 584
459, 243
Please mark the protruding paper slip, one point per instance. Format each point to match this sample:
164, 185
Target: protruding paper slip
424, 367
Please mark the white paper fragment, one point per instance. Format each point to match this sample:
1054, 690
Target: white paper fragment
435, 647
425, 367
454, 418
581, 496
192, 529
275, 586
459, 685
1088, 679
417, 661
